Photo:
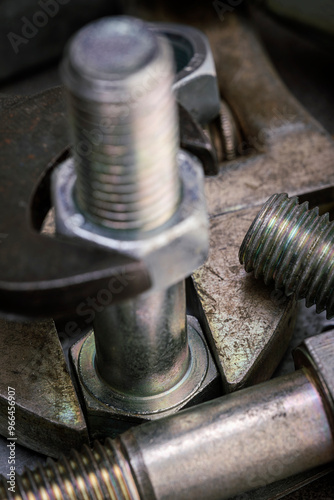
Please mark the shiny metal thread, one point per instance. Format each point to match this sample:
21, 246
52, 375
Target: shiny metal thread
293, 246
98, 474
124, 126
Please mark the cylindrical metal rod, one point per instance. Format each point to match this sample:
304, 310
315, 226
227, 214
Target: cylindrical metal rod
233, 444
142, 344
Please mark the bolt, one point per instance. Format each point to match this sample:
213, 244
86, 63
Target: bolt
212, 451
100, 473
124, 126
143, 357
293, 246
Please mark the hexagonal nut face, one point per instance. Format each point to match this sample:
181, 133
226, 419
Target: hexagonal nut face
109, 414
196, 80
317, 355
171, 252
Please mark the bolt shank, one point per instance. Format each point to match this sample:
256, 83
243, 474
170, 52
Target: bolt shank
141, 344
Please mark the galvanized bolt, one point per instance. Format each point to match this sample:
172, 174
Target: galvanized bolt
102, 473
293, 246
140, 196
124, 124
213, 451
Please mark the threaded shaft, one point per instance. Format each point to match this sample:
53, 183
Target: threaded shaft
124, 125
293, 246
98, 474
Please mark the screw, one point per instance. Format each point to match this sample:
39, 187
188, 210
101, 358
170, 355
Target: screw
212, 451
124, 125
293, 246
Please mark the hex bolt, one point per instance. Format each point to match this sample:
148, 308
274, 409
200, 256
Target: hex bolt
132, 189
212, 451
293, 246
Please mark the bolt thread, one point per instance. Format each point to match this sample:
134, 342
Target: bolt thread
124, 126
98, 474
293, 246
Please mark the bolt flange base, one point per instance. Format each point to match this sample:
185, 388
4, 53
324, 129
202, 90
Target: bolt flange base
110, 413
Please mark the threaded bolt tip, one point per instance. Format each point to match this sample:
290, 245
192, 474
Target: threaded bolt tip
292, 246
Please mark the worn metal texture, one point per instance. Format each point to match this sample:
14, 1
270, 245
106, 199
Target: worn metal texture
50, 275
286, 150
248, 323
48, 415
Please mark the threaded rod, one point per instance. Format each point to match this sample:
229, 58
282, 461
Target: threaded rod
97, 474
293, 246
124, 125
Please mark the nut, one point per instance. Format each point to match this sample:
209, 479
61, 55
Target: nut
171, 254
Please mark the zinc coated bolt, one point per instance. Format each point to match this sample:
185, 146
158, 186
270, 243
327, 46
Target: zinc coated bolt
124, 125
293, 246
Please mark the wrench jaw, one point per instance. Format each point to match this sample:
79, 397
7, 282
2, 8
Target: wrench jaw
48, 415
248, 325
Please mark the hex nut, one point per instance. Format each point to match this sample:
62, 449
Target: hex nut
170, 253
106, 411
195, 84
